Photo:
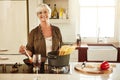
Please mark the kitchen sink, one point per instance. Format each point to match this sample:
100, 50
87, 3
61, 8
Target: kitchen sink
101, 52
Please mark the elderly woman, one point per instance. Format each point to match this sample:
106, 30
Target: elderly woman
44, 38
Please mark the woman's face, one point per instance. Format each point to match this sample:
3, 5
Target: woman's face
43, 15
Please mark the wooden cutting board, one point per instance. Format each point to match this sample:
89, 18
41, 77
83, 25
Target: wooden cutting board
92, 69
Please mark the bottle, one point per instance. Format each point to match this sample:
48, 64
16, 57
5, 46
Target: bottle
61, 13
49, 5
78, 40
50, 8
64, 15
66, 12
55, 14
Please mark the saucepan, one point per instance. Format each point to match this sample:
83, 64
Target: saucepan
58, 61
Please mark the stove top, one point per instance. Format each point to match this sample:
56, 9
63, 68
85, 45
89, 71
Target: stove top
23, 68
59, 70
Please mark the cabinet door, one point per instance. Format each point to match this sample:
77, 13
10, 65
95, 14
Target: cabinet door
13, 24
82, 54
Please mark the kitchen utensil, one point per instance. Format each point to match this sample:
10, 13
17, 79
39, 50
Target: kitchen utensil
58, 61
30, 58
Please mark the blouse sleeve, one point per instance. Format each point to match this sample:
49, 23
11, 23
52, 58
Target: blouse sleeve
30, 43
60, 37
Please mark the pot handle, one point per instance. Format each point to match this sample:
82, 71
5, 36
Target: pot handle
52, 57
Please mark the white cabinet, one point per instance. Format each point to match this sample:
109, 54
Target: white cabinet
13, 24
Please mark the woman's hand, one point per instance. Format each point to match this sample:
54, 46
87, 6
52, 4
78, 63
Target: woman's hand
28, 53
22, 49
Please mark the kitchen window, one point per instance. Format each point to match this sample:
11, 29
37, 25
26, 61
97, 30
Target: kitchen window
97, 18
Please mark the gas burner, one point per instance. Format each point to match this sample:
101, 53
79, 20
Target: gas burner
59, 70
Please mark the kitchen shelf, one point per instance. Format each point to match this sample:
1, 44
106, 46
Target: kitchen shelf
65, 21
59, 4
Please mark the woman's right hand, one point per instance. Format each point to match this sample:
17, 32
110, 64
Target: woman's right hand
22, 49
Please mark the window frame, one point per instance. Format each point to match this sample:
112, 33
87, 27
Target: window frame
101, 39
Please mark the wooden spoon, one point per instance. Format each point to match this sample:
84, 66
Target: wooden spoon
30, 58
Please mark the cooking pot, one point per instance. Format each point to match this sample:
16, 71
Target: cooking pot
58, 61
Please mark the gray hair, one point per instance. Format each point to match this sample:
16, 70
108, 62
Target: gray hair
41, 6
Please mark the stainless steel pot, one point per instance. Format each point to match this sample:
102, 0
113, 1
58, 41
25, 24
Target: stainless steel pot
58, 61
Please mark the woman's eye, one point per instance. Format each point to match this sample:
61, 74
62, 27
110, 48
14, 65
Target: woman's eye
45, 11
39, 12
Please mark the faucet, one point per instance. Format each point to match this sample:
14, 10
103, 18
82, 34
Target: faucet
104, 39
78, 40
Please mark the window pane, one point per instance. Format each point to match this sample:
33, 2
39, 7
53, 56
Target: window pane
88, 18
106, 2
88, 2
97, 2
106, 17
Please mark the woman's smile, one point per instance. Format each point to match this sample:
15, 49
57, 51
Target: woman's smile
43, 18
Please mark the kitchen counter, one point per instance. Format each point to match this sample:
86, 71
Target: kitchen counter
115, 44
74, 75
